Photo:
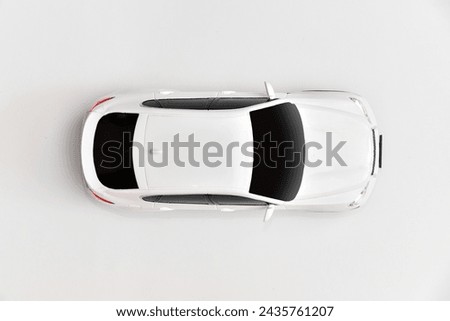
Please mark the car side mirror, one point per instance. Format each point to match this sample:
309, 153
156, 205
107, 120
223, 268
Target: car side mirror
269, 91
269, 212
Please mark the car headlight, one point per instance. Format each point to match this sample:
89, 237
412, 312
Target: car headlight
362, 107
357, 202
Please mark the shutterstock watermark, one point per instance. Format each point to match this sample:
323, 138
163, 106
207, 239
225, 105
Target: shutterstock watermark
180, 152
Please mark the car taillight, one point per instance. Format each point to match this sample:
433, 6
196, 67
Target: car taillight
101, 198
101, 101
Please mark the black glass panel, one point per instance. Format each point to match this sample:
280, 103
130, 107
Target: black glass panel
179, 199
237, 102
277, 172
180, 103
152, 103
112, 150
235, 200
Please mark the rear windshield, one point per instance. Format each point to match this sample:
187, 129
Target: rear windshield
278, 143
112, 150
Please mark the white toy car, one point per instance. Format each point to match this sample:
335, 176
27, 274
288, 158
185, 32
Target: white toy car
314, 150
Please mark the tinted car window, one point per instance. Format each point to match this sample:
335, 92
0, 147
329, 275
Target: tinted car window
235, 200
113, 141
236, 102
180, 103
152, 198
186, 103
278, 171
205, 103
152, 103
179, 199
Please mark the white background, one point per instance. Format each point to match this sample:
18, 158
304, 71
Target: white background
58, 57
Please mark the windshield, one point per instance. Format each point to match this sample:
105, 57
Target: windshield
278, 142
112, 150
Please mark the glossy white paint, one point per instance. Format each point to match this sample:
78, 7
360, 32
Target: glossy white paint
221, 127
324, 188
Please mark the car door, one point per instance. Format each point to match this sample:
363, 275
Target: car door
188, 202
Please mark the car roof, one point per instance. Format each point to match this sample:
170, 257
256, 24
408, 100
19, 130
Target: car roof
224, 130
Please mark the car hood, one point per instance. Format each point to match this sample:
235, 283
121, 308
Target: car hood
331, 178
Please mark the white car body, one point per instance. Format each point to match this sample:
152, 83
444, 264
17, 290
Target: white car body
324, 188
